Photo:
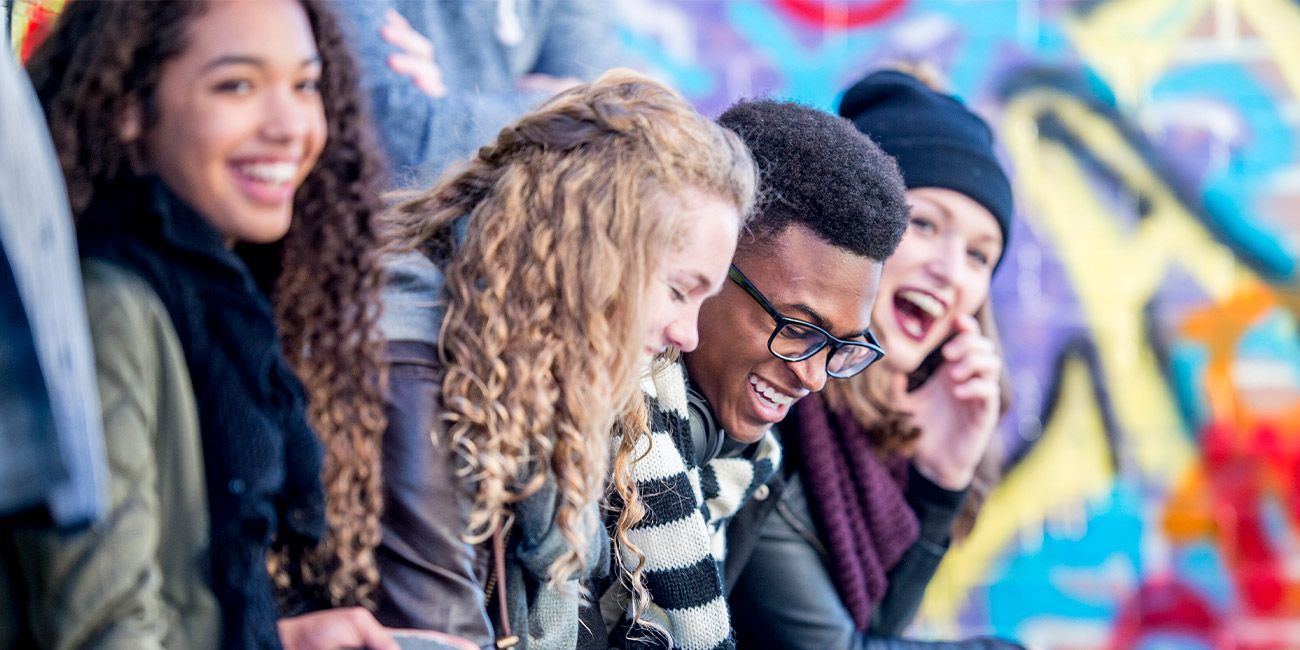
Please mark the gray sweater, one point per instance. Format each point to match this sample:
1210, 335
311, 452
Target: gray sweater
561, 38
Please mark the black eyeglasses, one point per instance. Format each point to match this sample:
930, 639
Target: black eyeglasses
796, 340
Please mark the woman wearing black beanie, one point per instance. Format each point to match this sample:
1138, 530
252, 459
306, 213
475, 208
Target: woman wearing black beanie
901, 454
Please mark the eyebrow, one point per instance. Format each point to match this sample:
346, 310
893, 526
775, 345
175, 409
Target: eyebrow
701, 281
948, 215
942, 210
990, 238
817, 319
245, 59
691, 281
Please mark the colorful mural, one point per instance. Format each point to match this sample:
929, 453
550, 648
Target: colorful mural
1150, 299
29, 21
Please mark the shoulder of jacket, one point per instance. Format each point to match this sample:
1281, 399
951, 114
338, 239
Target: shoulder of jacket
124, 310
115, 291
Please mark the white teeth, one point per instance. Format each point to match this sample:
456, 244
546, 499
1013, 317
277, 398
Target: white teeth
770, 393
925, 302
276, 173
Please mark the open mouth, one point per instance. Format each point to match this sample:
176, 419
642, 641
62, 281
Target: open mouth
266, 182
917, 312
772, 403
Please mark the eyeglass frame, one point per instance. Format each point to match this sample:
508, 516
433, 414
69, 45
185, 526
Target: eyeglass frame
835, 343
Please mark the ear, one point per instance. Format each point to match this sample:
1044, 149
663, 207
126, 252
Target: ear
131, 126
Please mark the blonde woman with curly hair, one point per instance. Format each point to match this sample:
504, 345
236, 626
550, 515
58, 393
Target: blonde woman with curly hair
530, 291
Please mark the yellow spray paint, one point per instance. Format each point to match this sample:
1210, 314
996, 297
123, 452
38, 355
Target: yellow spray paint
1071, 463
1130, 43
1115, 270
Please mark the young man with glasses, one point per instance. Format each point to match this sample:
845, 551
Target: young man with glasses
795, 312
837, 554
804, 278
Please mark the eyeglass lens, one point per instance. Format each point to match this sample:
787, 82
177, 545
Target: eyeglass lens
794, 341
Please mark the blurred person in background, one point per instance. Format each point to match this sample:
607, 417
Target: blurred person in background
443, 76
224, 189
881, 470
53, 472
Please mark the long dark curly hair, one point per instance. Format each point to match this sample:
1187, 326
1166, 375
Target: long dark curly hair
323, 277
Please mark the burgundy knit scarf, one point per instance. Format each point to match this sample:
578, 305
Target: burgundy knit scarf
857, 501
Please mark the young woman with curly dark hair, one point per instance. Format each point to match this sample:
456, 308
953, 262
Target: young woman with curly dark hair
224, 189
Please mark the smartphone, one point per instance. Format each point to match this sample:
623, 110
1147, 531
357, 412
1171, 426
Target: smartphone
417, 641
929, 365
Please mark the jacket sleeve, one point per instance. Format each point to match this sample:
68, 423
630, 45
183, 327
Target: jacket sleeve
580, 40
428, 576
101, 587
935, 509
744, 529
805, 611
421, 134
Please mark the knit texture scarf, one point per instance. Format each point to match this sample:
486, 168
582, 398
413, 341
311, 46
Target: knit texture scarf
261, 459
683, 534
857, 502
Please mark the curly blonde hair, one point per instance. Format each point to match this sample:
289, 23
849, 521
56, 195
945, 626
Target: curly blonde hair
568, 212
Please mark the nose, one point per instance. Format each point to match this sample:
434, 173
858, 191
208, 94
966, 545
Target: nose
286, 116
947, 260
811, 372
683, 332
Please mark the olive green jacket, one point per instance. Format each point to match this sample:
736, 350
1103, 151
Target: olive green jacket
137, 579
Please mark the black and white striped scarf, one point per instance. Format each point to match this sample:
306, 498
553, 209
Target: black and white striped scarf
683, 534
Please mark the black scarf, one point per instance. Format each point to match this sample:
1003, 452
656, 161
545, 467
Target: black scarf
262, 460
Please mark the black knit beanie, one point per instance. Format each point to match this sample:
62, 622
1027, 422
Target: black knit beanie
937, 141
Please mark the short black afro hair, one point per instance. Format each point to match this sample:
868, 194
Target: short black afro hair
820, 172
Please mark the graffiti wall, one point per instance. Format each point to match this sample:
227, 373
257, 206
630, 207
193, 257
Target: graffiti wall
1149, 302
28, 21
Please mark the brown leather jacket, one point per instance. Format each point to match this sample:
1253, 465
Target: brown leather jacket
431, 578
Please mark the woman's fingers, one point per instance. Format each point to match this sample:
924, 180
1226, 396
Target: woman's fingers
979, 388
976, 363
414, 57
965, 343
425, 75
398, 32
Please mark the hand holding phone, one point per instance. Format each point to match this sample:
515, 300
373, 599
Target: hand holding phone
955, 403
929, 364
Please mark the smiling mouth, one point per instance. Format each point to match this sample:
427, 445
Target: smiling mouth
770, 394
772, 404
271, 183
277, 173
917, 312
